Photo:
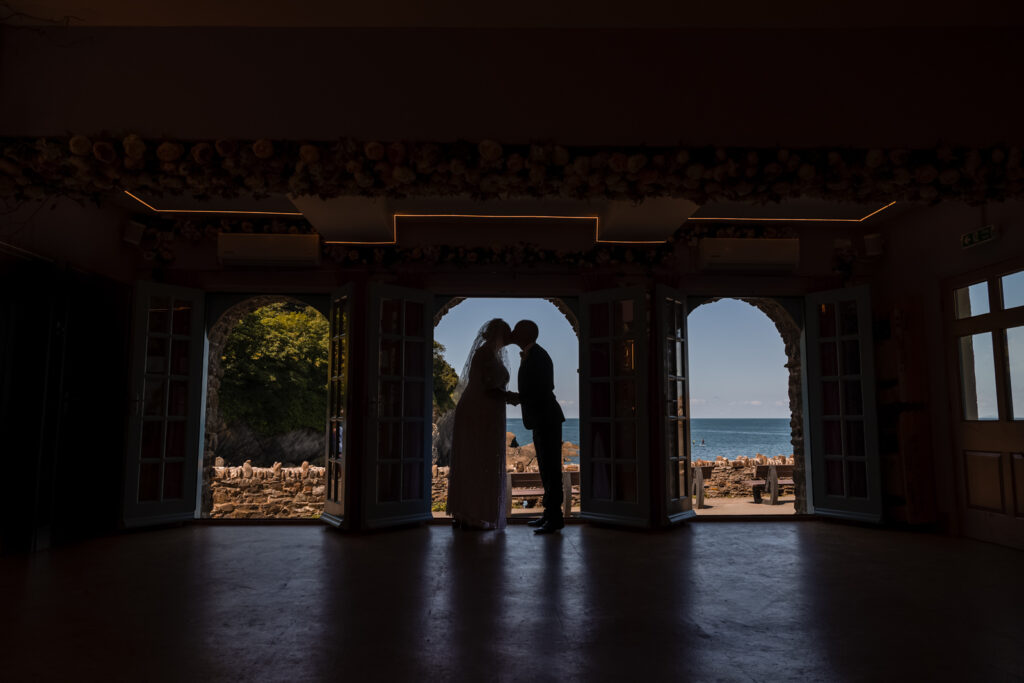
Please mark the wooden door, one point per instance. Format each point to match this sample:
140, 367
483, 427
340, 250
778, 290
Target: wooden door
339, 353
674, 414
168, 387
396, 460
614, 462
985, 316
843, 458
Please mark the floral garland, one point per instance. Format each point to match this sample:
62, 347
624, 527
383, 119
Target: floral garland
88, 167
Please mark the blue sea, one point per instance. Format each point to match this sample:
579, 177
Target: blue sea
712, 437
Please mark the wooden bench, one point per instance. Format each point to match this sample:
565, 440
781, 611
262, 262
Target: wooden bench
701, 478
772, 477
529, 485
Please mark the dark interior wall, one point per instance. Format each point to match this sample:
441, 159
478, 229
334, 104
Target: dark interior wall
832, 86
62, 405
921, 250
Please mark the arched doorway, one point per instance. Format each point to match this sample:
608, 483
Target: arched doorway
457, 321
786, 320
290, 483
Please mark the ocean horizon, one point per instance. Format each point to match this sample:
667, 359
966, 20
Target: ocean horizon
710, 436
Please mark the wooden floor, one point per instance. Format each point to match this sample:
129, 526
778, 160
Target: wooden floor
729, 601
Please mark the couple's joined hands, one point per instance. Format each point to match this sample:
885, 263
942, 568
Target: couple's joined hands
512, 398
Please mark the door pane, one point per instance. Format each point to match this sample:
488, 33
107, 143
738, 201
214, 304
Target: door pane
1013, 289
412, 441
154, 401
602, 432
834, 478
829, 359
390, 399
390, 357
852, 397
600, 359
625, 360
388, 482
413, 319
600, 403
625, 441
833, 437
625, 482
159, 315
830, 398
149, 482
827, 320
848, 317
156, 355
856, 473
602, 480
1015, 359
978, 377
625, 399
412, 480
177, 405
855, 438
415, 359
152, 438
851, 357
174, 474
390, 316
599, 321
179, 357
175, 439
624, 317
182, 317
971, 300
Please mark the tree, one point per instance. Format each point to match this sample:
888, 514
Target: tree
275, 370
445, 381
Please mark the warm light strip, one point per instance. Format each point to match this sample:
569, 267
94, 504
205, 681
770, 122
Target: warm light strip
237, 213
395, 217
801, 220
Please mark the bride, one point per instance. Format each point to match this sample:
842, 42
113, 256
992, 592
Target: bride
476, 483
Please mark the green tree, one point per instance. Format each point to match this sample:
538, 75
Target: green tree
445, 380
275, 370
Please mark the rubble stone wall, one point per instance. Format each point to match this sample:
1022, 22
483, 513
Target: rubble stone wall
276, 492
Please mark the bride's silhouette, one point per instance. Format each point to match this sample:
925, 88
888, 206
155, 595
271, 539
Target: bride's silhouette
476, 483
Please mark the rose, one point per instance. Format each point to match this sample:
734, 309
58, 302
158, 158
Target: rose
104, 151
202, 153
134, 147
263, 149
374, 151
490, 151
226, 148
309, 154
403, 174
80, 145
169, 151
618, 162
635, 163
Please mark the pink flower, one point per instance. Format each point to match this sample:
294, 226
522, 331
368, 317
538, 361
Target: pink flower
80, 145
490, 151
226, 148
263, 149
374, 151
169, 151
202, 153
104, 151
309, 154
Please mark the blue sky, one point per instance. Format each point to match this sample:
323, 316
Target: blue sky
737, 359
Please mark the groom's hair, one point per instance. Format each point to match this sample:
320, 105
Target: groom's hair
528, 330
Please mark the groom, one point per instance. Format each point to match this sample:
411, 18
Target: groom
543, 415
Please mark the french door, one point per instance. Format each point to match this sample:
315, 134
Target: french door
396, 458
614, 455
844, 462
339, 354
674, 416
162, 459
986, 366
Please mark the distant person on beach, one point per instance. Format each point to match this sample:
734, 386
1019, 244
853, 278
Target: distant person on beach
476, 483
543, 415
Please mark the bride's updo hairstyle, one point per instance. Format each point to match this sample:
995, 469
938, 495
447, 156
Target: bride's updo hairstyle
497, 330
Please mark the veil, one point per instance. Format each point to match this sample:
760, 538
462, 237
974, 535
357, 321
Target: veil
501, 354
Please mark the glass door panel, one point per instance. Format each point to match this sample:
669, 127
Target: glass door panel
339, 354
844, 462
396, 484
672, 380
167, 376
614, 462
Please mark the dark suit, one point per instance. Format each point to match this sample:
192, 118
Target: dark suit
543, 415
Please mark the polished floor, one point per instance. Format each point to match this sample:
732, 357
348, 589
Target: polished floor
729, 601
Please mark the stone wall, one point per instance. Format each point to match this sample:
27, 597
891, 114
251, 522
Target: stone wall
276, 492
728, 479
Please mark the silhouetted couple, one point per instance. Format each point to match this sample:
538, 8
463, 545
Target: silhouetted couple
476, 484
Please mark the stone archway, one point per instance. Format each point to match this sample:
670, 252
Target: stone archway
790, 331
569, 314
218, 336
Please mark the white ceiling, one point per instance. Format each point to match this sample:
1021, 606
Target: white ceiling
522, 13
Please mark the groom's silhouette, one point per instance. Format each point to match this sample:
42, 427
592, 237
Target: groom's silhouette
543, 415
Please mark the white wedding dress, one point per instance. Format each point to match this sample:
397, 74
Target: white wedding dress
476, 480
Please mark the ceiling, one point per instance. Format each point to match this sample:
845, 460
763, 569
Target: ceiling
521, 14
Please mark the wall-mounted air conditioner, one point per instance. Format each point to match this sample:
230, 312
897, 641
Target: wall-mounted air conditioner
244, 249
737, 253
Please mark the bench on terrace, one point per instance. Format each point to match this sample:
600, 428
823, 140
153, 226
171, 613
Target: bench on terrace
772, 478
529, 485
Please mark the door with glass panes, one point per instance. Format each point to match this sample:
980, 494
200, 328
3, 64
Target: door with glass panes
614, 463
674, 416
985, 319
338, 366
396, 456
168, 405
845, 472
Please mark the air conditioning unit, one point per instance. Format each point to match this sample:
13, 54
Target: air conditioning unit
737, 253
244, 249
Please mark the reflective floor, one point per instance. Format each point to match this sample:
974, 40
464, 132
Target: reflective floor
729, 601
